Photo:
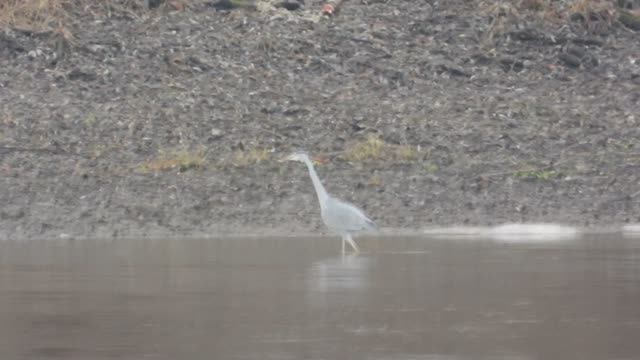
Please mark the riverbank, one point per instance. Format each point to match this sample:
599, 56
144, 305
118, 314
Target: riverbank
171, 123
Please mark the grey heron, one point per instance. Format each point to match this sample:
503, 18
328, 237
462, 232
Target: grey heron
339, 216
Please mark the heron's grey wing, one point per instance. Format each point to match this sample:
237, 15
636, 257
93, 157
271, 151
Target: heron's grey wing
342, 216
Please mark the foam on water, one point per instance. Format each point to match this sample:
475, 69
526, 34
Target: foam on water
632, 230
532, 232
510, 232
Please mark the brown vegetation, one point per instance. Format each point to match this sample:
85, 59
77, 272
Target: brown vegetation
36, 14
180, 159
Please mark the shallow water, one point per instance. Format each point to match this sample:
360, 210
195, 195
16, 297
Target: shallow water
404, 298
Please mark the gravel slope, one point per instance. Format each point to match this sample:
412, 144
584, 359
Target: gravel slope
510, 117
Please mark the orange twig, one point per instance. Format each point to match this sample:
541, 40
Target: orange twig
331, 7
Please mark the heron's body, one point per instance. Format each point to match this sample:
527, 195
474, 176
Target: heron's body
344, 217
340, 217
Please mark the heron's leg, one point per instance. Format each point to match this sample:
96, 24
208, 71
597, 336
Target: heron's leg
352, 243
342, 237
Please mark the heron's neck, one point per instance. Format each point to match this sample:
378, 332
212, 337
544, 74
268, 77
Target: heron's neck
320, 191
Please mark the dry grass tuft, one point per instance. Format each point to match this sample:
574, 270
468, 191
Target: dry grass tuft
374, 148
375, 181
588, 6
371, 148
594, 11
49, 15
181, 160
406, 153
32, 14
243, 158
506, 15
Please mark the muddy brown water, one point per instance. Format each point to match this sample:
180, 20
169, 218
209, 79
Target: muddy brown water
289, 298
